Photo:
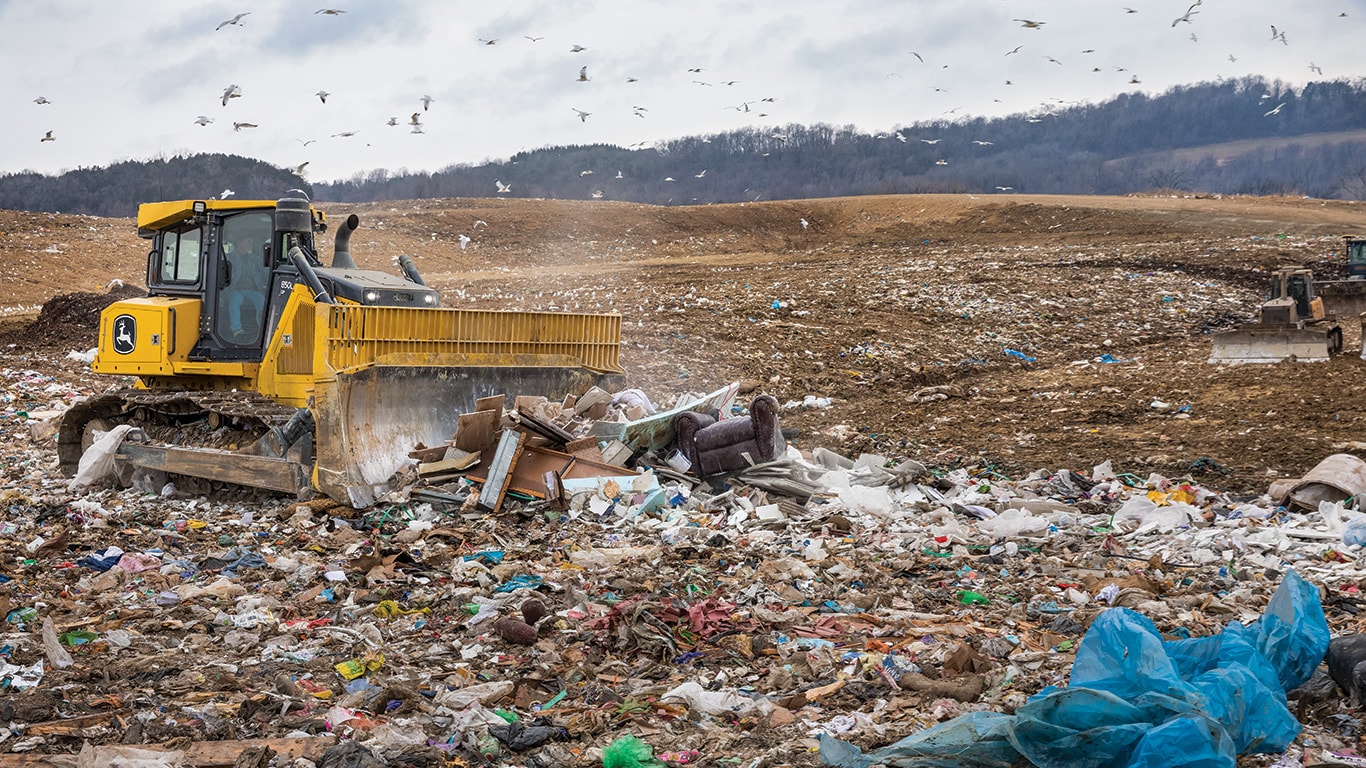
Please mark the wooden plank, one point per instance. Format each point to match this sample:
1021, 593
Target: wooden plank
474, 431
542, 427
491, 403
500, 470
200, 754
212, 464
73, 724
448, 465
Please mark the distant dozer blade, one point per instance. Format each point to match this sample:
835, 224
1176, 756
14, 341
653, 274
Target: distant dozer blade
369, 419
1344, 298
1271, 344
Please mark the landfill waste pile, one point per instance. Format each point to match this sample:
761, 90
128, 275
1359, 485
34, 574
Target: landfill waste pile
852, 529
617, 609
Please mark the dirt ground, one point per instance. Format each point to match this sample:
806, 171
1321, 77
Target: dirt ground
1060, 331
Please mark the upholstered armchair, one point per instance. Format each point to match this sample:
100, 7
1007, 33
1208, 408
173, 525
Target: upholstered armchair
713, 446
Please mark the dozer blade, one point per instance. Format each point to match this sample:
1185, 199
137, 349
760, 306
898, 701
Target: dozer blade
1344, 298
1270, 344
370, 418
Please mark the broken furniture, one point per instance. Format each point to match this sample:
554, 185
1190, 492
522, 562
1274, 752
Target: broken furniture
714, 446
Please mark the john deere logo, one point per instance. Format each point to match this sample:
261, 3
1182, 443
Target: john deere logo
125, 334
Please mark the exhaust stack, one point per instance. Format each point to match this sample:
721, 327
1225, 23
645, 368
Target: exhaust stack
341, 252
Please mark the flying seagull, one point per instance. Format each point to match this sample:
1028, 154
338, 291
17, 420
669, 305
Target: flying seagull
235, 20
237, 127
502, 188
414, 120
931, 141
329, 11
1028, 24
534, 39
1275, 111
583, 74
981, 143
1005, 189
583, 116
426, 101
1315, 68
47, 137
394, 120
343, 135
1016, 50
918, 56
203, 120
1186, 17
576, 48
1278, 35
491, 41
299, 170
41, 100
226, 193
322, 95
233, 91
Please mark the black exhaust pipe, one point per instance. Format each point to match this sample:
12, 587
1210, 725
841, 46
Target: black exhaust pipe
409, 270
341, 252
310, 278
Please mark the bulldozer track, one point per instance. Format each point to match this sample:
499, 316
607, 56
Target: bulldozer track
224, 420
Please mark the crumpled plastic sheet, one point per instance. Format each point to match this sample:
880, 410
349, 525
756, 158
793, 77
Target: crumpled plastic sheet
1135, 700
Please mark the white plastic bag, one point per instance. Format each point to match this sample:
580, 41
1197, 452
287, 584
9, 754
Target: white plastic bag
98, 460
721, 702
1013, 523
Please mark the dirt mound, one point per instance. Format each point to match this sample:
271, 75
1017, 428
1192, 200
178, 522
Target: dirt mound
71, 318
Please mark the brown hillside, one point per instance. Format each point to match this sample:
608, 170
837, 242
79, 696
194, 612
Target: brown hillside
877, 298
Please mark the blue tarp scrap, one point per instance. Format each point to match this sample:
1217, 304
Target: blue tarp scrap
1135, 700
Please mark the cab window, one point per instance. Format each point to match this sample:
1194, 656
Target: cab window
180, 256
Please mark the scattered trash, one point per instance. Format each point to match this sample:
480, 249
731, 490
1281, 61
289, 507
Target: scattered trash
591, 579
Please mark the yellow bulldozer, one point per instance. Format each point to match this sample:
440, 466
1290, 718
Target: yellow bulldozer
1292, 326
257, 365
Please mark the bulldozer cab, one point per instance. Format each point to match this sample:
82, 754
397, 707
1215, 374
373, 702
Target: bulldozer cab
1356, 258
1296, 285
230, 258
242, 279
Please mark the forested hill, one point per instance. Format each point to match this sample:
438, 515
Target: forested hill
1246, 136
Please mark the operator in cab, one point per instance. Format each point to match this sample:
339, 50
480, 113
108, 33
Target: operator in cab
246, 289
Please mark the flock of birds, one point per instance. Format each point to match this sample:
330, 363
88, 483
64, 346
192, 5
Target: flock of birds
755, 108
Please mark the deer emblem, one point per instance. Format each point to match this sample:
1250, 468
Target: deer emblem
124, 326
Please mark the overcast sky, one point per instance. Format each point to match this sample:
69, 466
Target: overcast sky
127, 80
